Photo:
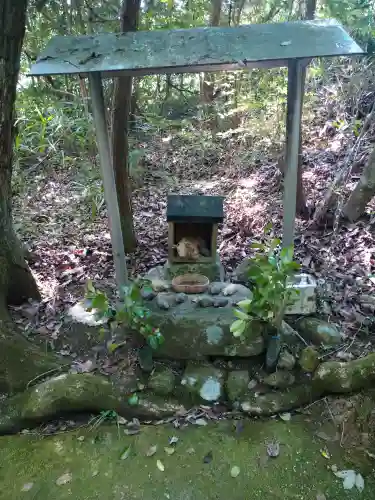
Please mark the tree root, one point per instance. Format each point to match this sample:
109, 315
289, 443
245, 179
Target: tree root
75, 393
330, 377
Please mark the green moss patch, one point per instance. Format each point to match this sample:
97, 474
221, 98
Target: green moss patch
89, 465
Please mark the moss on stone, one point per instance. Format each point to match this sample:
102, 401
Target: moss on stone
337, 377
97, 473
20, 360
309, 359
318, 331
162, 380
280, 401
189, 333
280, 379
202, 383
237, 385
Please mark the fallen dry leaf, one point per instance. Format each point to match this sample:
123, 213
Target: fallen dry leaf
169, 450
64, 479
285, 416
160, 465
27, 486
126, 453
235, 471
151, 451
273, 449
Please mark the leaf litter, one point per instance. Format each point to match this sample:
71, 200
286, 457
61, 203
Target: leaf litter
65, 246
350, 479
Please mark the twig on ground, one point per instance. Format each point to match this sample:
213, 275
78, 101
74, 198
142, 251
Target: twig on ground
330, 412
42, 375
334, 352
313, 403
342, 434
353, 339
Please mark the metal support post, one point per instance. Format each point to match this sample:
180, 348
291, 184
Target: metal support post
109, 183
293, 128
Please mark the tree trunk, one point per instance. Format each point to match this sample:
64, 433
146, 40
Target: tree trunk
134, 108
363, 192
330, 198
16, 281
310, 9
208, 80
301, 208
120, 129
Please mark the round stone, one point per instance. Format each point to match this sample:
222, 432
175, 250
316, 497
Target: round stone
214, 334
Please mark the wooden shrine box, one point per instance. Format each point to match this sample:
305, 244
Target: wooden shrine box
195, 217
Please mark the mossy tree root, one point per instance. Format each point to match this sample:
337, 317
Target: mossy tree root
76, 393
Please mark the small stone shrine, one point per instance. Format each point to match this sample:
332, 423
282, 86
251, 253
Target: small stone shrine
192, 235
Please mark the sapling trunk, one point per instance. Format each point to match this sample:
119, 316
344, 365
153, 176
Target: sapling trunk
274, 341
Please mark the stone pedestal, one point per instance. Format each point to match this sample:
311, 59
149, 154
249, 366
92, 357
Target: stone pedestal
213, 270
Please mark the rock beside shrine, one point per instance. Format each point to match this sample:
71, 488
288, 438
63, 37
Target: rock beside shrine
202, 383
241, 273
157, 278
309, 359
195, 332
237, 385
166, 300
280, 379
162, 381
286, 360
318, 331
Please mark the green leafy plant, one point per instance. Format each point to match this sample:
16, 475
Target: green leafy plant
270, 272
104, 416
130, 311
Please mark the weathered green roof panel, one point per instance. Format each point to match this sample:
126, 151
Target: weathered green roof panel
192, 50
195, 208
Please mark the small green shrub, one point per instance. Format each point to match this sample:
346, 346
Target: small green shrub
130, 311
270, 270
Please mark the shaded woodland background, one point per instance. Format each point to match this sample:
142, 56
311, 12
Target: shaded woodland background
203, 134
211, 134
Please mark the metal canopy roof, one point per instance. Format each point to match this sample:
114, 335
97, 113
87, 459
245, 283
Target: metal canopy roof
193, 50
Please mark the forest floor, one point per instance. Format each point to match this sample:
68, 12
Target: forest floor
218, 461
60, 214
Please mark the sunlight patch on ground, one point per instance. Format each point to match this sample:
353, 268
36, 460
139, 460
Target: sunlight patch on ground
207, 185
248, 183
